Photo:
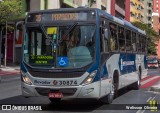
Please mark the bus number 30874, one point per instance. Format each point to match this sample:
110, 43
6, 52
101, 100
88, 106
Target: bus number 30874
66, 82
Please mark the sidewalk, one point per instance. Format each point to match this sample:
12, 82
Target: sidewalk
10, 68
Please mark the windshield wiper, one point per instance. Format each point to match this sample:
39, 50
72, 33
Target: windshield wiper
44, 31
68, 32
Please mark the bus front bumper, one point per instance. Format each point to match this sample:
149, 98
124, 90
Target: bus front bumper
88, 91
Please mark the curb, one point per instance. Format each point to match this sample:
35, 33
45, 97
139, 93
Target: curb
144, 76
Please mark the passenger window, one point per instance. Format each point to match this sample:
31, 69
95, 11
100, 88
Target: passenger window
113, 37
121, 38
143, 44
134, 42
128, 40
139, 43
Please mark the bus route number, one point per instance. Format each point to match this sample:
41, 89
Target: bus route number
68, 82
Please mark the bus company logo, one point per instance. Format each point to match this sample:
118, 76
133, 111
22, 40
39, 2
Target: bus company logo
55, 82
6, 107
41, 82
126, 63
153, 105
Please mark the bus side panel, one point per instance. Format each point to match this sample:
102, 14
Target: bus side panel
132, 75
111, 65
105, 81
141, 60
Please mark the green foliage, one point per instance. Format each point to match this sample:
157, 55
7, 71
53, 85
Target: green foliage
152, 37
9, 9
91, 2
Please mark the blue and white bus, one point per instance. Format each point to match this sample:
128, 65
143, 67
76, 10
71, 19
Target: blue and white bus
80, 53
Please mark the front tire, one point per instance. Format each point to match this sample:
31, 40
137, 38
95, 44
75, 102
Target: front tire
137, 84
113, 93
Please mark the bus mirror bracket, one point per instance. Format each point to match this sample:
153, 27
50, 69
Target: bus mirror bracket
17, 34
17, 30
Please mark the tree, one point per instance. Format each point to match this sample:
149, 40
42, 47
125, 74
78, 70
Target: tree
153, 37
91, 2
9, 9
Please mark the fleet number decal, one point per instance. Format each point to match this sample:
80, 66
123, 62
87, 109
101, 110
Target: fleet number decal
65, 82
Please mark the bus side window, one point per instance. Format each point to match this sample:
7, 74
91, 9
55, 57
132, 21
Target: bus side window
143, 43
140, 43
113, 37
134, 42
138, 40
121, 38
128, 40
106, 43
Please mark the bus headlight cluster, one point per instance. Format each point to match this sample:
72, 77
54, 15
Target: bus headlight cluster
90, 78
25, 78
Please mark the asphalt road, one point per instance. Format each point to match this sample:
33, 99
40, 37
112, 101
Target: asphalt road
10, 93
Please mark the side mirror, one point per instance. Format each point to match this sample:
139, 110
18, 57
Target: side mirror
17, 34
19, 25
106, 33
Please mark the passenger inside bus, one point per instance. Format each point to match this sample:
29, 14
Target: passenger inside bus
113, 37
78, 54
121, 38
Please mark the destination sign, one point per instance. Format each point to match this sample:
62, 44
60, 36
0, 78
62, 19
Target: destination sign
66, 16
61, 16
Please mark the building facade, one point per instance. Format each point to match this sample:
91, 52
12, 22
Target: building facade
148, 9
156, 22
155, 14
137, 10
121, 9
49, 4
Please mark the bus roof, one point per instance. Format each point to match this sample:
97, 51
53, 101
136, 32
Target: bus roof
122, 22
105, 14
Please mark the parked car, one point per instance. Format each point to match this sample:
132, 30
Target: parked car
152, 62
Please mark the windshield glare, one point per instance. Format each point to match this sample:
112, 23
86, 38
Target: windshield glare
60, 46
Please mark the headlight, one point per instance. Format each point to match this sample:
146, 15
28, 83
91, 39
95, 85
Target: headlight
90, 78
25, 78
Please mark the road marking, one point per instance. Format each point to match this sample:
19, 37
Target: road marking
143, 111
153, 98
150, 79
138, 111
149, 99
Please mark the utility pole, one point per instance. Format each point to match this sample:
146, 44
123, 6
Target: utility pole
5, 53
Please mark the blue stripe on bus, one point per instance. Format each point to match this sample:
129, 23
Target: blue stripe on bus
145, 62
104, 72
23, 68
123, 68
97, 63
97, 77
132, 58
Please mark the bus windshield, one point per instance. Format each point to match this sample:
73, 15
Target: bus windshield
69, 46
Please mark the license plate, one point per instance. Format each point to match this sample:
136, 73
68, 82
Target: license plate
55, 95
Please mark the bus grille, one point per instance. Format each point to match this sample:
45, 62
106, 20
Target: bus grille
55, 74
65, 92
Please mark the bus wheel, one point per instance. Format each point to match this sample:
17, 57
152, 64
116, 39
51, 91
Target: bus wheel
55, 100
109, 98
137, 84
